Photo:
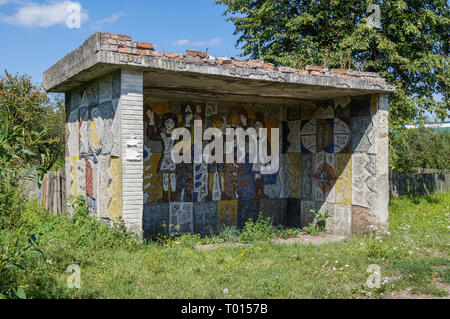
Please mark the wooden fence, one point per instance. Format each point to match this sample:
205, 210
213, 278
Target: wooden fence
418, 184
52, 193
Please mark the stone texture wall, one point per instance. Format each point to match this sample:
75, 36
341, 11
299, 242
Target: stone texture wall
333, 157
93, 145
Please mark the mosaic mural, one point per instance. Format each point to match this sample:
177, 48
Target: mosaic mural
327, 162
93, 163
317, 170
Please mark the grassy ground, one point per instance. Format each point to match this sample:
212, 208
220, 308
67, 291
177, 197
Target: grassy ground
414, 259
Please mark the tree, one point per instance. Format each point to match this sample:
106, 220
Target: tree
410, 49
28, 107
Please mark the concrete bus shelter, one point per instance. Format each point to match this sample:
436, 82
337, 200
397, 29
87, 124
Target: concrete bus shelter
120, 95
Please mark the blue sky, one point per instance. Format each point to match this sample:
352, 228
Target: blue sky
34, 34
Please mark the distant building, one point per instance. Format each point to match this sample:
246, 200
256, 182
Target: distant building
441, 127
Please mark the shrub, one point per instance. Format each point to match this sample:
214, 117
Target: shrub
260, 230
319, 224
419, 148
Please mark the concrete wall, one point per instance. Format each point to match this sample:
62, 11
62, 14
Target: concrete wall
333, 157
93, 145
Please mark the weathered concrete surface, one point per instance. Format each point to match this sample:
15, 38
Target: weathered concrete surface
103, 53
123, 99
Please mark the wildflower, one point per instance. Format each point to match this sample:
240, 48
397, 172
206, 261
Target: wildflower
225, 291
49, 261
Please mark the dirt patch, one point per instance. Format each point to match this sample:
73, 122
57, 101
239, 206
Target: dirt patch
215, 246
407, 293
318, 239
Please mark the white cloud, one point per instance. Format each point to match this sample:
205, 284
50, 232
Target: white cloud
33, 14
211, 43
99, 24
182, 42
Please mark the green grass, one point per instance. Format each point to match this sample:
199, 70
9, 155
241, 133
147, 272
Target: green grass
413, 255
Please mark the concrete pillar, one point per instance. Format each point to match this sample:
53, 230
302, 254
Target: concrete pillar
380, 209
131, 108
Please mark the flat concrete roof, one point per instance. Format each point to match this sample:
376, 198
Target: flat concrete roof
195, 74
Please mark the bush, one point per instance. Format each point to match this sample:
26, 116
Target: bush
260, 230
419, 148
319, 224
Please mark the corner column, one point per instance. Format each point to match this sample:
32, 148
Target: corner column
131, 108
380, 209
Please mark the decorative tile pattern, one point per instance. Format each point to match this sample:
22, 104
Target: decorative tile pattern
293, 113
181, 218
363, 179
152, 180
227, 212
308, 136
247, 209
325, 177
308, 209
342, 135
293, 212
342, 220
200, 182
205, 218
363, 135
343, 186
294, 137
156, 219
294, 176
272, 208
115, 189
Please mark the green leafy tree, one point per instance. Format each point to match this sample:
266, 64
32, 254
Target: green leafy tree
419, 148
410, 48
28, 107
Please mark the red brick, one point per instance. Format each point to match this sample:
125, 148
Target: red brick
224, 61
360, 219
144, 45
286, 69
314, 68
316, 73
157, 53
269, 66
143, 52
196, 53
177, 56
89, 180
123, 37
302, 72
340, 71
240, 64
